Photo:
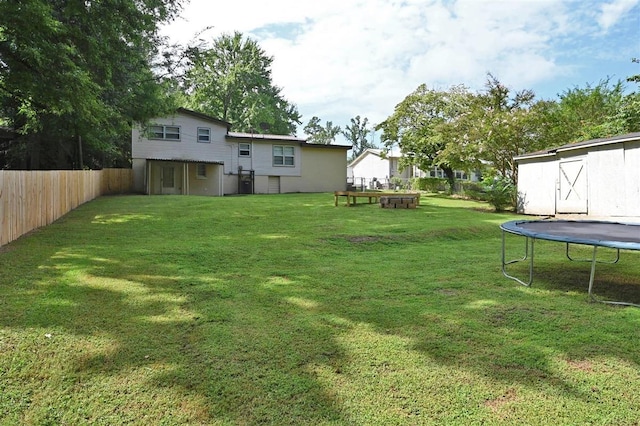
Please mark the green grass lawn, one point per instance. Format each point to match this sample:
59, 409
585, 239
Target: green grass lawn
284, 309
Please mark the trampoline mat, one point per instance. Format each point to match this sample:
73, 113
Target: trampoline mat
612, 234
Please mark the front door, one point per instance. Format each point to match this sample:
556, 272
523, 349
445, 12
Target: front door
572, 186
168, 180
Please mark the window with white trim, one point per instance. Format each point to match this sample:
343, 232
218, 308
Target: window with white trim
201, 171
162, 132
244, 150
204, 134
283, 155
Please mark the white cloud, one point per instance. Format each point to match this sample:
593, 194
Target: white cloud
612, 12
339, 58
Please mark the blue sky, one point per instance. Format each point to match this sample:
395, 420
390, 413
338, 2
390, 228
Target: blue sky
336, 59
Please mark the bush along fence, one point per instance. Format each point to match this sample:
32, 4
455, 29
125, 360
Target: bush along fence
31, 199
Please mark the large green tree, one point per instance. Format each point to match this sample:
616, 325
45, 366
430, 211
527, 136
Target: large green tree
499, 125
74, 76
231, 80
318, 134
419, 126
592, 112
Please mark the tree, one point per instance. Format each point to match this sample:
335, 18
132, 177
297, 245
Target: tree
357, 133
420, 124
321, 135
501, 125
74, 75
591, 112
231, 80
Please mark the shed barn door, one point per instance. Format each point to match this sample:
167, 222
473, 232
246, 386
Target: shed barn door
274, 184
572, 186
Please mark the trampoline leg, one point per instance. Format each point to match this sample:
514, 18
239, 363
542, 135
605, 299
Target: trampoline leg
589, 260
593, 273
526, 255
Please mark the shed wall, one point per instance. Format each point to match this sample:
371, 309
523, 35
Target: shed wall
613, 173
537, 180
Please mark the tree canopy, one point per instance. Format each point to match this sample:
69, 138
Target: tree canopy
456, 129
231, 80
357, 133
74, 75
419, 127
318, 134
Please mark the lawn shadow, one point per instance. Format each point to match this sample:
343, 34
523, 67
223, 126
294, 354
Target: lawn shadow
216, 341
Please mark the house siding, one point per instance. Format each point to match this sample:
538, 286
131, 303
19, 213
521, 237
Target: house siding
188, 148
315, 168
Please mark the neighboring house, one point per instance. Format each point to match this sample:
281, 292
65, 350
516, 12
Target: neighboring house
372, 169
599, 177
193, 153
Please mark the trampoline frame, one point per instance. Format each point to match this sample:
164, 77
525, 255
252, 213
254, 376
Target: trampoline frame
512, 227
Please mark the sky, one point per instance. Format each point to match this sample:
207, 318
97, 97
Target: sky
336, 59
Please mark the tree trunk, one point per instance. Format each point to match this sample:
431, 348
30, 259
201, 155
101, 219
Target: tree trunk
451, 178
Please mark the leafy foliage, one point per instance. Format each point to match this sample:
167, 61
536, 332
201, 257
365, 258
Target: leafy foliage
420, 126
231, 80
321, 135
73, 75
500, 192
357, 133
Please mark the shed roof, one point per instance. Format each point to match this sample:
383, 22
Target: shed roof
580, 145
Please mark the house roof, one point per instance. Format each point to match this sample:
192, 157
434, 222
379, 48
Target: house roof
580, 145
257, 137
183, 160
394, 153
204, 117
260, 136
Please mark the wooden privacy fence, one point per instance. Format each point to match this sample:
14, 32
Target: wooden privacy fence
31, 199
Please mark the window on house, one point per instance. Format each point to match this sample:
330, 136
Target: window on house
201, 171
171, 133
283, 155
461, 175
204, 134
244, 150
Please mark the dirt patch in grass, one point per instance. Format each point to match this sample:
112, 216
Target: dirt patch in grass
363, 239
496, 404
582, 365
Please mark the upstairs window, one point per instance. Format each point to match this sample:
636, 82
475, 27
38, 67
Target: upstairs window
204, 134
283, 155
169, 133
244, 150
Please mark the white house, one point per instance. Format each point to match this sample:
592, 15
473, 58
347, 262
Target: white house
373, 169
599, 177
193, 153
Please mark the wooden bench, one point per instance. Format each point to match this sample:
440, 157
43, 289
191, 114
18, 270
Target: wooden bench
372, 196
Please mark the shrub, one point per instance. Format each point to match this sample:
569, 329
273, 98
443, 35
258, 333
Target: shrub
500, 192
474, 190
430, 184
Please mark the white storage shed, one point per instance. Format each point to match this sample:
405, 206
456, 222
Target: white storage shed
599, 177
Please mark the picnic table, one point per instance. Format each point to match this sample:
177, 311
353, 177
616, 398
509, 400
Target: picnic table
373, 196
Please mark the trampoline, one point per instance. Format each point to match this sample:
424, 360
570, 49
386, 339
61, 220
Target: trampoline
615, 235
